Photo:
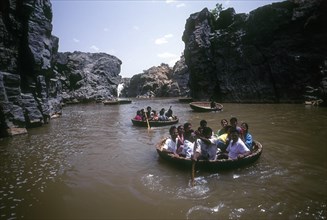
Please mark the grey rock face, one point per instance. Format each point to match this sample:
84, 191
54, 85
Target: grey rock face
180, 77
88, 76
26, 56
268, 55
160, 81
35, 81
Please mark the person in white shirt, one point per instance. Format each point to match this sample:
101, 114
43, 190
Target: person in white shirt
171, 142
206, 146
236, 148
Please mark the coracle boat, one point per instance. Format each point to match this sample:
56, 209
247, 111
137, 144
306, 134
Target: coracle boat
154, 123
313, 102
205, 106
110, 102
124, 101
212, 165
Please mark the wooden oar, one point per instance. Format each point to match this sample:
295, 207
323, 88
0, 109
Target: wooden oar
193, 163
193, 172
147, 121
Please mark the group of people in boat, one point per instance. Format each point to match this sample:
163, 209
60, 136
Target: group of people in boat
152, 115
231, 141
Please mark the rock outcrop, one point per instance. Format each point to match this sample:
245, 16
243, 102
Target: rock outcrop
26, 56
160, 81
36, 80
269, 55
181, 77
86, 77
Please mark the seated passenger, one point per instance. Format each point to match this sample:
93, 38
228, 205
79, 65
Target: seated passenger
213, 104
143, 114
223, 123
233, 122
223, 139
206, 146
246, 136
148, 112
188, 129
170, 144
188, 146
162, 116
236, 148
155, 116
203, 124
138, 116
169, 114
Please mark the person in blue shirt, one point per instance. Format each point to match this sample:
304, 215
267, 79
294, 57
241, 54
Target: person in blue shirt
246, 136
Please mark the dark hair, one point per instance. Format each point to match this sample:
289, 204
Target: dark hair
186, 125
171, 129
169, 113
232, 119
203, 122
221, 121
246, 125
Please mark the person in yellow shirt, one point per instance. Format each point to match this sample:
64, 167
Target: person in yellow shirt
223, 139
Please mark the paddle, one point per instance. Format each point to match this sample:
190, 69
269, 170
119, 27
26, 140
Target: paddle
193, 172
147, 121
193, 163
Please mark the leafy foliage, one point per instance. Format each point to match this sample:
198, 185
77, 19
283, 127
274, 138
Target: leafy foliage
216, 11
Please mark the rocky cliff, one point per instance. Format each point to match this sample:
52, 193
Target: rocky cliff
160, 81
26, 51
269, 55
36, 80
86, 77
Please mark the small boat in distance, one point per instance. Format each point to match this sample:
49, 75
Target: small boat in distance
110, 102
154, 123
124, 101
117, 101
212, 165
314, 102
206, 106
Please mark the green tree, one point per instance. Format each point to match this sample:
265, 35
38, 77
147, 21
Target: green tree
216, 11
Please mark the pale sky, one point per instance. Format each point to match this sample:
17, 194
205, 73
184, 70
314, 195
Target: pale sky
142, 34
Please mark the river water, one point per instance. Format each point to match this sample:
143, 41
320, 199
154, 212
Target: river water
92, 163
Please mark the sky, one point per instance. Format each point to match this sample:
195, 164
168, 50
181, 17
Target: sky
141, 33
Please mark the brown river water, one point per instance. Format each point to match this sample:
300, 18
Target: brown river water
92, 163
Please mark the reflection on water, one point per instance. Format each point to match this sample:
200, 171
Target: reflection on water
92, 163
